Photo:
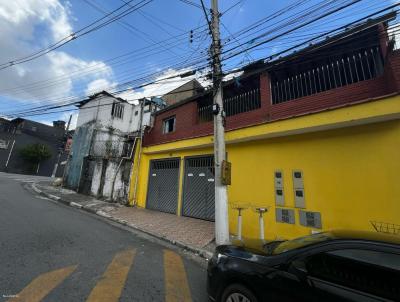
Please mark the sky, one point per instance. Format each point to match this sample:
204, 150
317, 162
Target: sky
149, 44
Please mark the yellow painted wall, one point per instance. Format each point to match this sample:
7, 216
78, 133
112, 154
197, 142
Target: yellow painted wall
351, 174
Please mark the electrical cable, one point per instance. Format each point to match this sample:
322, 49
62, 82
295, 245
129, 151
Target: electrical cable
81, 32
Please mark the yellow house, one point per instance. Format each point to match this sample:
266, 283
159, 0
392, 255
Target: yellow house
315, 142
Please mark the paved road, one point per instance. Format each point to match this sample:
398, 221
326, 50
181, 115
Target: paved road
49, 252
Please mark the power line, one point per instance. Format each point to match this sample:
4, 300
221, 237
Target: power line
203, 67
52, 79
104, 21
128, 84
191, 3
289, 22
289, 30
38, 111
128, 72
329, 32
231, 7
124, 24
203, 7
144, 50
279, 27
233, 37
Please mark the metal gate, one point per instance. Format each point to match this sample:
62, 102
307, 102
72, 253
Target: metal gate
198, 191
162, 193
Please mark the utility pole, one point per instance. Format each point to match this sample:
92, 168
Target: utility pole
60, 152
221, 194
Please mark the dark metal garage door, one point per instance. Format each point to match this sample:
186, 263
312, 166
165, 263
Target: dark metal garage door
162, 194
198, 191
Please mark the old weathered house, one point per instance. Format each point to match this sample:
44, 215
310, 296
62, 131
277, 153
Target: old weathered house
103, 144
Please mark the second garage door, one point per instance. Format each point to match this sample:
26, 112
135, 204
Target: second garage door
198, 190
162, 193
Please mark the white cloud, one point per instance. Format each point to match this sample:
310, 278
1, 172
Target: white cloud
30, 25
46, 122
162, 86
99, 85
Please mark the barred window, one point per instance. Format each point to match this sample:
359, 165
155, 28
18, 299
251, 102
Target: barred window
117, 110
326, 74
241, 96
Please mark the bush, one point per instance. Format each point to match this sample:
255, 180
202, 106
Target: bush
35, 153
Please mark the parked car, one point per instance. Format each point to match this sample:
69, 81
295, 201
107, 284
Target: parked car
329, 266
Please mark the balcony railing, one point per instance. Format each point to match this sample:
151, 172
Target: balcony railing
244, 102
348, 69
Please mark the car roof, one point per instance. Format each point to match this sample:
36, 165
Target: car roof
256, 245
364, 235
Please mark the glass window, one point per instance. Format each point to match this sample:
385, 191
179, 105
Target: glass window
371, 257
169, 125
372, 272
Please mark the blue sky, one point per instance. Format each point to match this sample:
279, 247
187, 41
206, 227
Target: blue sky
83, 66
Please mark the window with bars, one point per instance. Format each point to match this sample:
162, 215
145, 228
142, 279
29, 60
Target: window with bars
244, 102
117, 110
242, 95
165, 164
330, 73
201, 162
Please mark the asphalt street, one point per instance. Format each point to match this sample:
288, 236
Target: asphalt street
50, 252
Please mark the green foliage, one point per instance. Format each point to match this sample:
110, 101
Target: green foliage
35, 153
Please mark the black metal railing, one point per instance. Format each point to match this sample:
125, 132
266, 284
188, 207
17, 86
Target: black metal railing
244, 102
350, 68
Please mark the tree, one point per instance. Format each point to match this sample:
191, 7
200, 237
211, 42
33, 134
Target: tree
35, 154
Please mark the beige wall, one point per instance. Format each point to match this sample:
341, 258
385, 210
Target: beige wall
183, 92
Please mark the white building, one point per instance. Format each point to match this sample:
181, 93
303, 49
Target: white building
104, 142
110, 111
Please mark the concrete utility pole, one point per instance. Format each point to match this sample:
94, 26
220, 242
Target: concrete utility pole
221, 194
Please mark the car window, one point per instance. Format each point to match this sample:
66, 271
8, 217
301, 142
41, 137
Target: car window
373, 272
388, 260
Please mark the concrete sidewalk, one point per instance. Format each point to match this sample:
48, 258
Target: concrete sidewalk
191, 234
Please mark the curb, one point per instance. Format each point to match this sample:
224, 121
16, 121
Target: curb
197, 251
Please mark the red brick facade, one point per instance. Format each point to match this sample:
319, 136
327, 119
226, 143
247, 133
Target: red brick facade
188, 125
